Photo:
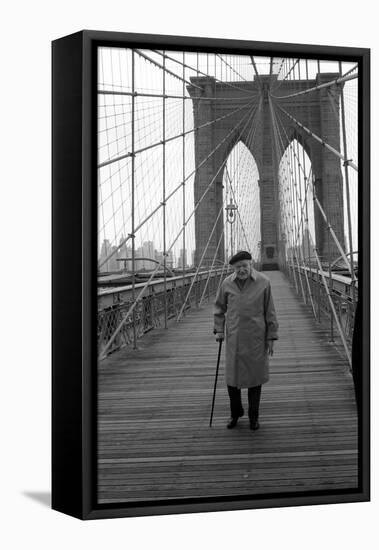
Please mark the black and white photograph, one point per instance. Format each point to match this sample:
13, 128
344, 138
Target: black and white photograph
228, 275
189, 268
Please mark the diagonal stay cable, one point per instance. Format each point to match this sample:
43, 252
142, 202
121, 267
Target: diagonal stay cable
200, 262
230, 67
307, 177
323, 214
123, 241
236, 202
297, 195
175, 190
259, 81
327, 290
252, 115
180, 135
131, 309
280, 82
212, 265
201, 73
295, 240
280, 151
320, 140
331, 303
250, 140
165, 69
281, 65
336, 81
169, 96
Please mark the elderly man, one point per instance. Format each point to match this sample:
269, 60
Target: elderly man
245, 308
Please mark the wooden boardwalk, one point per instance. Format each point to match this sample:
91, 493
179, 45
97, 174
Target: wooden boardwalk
154, 407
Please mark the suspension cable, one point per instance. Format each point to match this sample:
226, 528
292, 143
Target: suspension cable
336, 81
165, 69
169, 96
332, 306
343, 120
200, 262
212, 265
167, 140
124, 241
299, 198
213, 179
131, 309
323, 143
228, 65
329, 227
250, 141
280, 82
294, 191
204, 74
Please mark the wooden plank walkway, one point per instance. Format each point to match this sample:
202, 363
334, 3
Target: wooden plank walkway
154, 407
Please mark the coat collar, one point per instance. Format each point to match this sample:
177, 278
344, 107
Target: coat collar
253, 275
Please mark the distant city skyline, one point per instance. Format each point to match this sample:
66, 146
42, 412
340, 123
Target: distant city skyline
146, 250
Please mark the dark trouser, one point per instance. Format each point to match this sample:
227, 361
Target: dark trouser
254, 397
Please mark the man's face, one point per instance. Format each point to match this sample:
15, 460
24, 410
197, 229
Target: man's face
242, 269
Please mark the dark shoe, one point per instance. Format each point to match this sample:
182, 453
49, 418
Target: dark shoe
254, 425
233, 421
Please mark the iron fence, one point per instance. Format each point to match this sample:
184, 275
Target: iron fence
340, 291
149, 312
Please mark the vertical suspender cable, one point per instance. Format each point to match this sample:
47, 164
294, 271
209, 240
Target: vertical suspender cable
300, 186
306, 200
197, 159
211, 269
164, 189
184, 170
328, 248
287, 180
301, 224
316, 254
294, 203
299, 198
294, 208
133, 202
345, 152
291, 218
308, 244
293, 184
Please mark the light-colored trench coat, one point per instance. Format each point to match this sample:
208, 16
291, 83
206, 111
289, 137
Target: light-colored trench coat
249, 319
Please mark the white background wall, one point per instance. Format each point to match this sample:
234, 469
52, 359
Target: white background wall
27, 29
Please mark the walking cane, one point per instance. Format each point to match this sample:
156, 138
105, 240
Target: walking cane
214, 389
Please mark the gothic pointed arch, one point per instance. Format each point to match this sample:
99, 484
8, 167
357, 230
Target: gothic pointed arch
241, 189
226, 115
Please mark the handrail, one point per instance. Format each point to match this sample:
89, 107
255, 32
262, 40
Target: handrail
103, 292
138, 258
115, 319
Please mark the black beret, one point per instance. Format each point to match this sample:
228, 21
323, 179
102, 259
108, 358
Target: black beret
242, 255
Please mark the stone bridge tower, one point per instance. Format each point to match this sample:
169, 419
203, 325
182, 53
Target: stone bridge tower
318, 111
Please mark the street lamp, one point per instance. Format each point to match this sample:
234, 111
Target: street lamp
231, 215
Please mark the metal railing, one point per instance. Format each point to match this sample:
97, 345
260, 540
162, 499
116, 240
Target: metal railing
339, 294
114, 306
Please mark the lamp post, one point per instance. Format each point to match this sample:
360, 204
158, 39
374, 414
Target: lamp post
231, 210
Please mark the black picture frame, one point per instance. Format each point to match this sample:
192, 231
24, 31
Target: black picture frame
74, 203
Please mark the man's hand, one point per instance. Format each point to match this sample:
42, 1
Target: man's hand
270, 347
219, 336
